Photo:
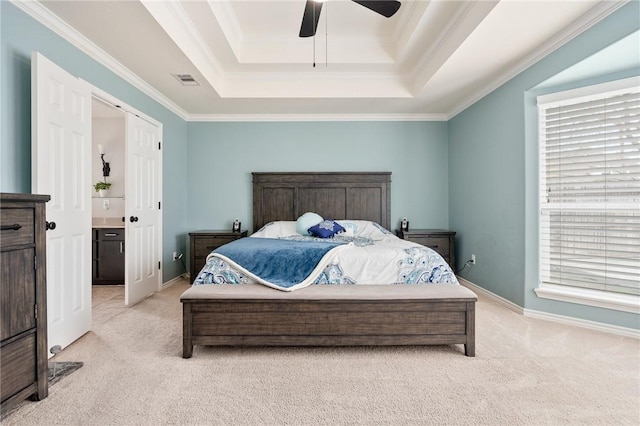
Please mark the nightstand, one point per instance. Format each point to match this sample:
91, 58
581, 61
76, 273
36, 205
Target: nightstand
440, 240
203, 242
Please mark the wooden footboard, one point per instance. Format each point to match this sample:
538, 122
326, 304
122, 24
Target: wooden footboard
437, 314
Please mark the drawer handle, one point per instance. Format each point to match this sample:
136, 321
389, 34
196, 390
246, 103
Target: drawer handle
13, 227
121, 246
110, 234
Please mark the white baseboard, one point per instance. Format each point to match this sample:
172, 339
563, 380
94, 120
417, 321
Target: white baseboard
592, 325
494, 297
171, 282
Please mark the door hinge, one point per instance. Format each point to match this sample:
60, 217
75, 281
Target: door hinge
158, 265
159, 145
35, 262
159, 205
35, 311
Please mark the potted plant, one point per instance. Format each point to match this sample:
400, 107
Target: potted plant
102, 188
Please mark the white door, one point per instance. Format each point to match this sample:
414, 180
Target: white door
61, 148
142, 209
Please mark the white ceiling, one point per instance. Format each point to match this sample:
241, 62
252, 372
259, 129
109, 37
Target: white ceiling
429, 61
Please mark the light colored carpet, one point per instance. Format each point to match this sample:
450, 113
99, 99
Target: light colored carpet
526, 372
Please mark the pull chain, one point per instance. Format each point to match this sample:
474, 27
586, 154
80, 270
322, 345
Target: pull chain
326, 34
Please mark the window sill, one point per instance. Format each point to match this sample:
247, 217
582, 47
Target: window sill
600, 299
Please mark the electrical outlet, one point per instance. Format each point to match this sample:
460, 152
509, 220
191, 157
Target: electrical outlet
105, 204
175, 256
473, 259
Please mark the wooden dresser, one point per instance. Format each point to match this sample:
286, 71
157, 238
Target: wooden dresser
23, 299
203, 242
440, 240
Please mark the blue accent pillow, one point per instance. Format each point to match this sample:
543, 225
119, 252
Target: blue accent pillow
306, 221
326, 229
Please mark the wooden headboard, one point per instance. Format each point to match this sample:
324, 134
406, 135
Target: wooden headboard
335, 195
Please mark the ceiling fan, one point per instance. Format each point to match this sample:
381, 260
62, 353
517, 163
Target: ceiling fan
311, 16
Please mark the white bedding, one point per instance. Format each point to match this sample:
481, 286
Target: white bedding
374, 256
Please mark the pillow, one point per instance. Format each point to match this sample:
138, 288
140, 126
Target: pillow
278, 229
364, 229
306, 221
351, 228
326, 229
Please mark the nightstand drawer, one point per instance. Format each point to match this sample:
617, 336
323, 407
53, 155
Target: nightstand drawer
204, 242
207, 244
198, 264
440, 240
441, 245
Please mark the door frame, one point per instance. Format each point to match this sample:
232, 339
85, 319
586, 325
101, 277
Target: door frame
107, 98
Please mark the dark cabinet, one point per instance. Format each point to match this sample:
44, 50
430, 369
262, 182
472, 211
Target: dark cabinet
108, 255
23, 299
440, 240
203, 243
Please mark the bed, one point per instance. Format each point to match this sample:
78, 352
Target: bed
241, 311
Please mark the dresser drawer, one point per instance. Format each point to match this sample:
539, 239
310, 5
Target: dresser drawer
18, 366
17, 227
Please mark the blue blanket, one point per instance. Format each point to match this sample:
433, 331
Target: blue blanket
280, 263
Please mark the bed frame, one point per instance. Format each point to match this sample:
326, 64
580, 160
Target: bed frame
327, 315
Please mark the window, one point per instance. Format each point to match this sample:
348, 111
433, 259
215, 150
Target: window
590, 195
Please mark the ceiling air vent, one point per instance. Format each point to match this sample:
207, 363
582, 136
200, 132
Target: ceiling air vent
186, 79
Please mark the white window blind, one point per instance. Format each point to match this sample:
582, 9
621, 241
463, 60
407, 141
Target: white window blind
590, 189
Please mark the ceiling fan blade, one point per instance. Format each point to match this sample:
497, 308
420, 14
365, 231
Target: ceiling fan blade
386, 8
310, 18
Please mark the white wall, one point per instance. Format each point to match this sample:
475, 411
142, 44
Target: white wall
110, 133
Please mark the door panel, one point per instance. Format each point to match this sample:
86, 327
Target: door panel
143, 165
61, 140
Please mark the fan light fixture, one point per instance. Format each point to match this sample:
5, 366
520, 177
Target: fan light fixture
312, 9
311, 17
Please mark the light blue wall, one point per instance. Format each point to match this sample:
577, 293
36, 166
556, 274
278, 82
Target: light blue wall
223, 155
493, 176
20, 35
475, 175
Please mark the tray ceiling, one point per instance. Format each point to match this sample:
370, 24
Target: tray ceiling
429, 61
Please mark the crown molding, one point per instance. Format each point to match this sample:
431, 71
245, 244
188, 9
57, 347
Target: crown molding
61, 28
586, 21
315, 117
47, 18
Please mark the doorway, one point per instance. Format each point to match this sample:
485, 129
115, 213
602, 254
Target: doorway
62, 157
108, 244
